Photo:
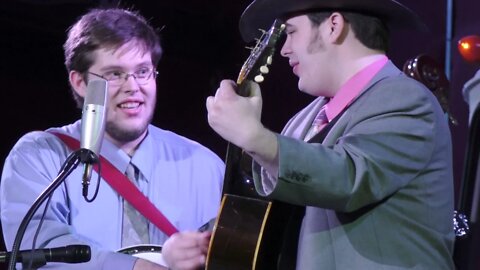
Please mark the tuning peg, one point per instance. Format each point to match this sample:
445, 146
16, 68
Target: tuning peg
269, 60
263, 31
249, 48
258, 78
264, 69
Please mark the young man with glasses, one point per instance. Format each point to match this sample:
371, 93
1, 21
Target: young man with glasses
180, 177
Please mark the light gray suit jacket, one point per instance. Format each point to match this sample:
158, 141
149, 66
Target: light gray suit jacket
379, 189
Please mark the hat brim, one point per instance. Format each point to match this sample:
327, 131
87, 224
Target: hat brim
260, 14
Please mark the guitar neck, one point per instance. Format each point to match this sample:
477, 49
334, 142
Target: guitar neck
238, 179
243, 88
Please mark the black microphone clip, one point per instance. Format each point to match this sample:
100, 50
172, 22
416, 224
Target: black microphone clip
87, 156
33, 259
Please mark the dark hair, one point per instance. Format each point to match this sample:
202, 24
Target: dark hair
371, 31
110, 29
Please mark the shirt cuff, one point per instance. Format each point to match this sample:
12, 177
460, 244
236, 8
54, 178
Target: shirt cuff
119, 261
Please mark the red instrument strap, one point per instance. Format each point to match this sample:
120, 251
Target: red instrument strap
119, 181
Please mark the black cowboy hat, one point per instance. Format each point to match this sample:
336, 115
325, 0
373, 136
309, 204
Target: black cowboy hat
260, 14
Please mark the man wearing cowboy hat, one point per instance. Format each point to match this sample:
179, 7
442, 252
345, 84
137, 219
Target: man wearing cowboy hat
375, 171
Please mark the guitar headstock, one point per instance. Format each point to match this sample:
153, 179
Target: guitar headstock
261, 56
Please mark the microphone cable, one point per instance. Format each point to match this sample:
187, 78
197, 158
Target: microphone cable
97, 186
69, 165
40, 223
47, 203
37, 231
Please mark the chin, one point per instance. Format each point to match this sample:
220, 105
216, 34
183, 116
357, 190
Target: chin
125, 134
305, 90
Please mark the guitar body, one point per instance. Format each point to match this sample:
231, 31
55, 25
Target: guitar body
238, 232
250, 234
250, 230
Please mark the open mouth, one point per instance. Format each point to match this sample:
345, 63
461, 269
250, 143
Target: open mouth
129, 105
295, 69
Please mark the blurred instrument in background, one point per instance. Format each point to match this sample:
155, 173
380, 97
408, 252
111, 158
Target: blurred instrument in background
428, 71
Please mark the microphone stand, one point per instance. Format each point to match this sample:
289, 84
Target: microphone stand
70, 164
466, 243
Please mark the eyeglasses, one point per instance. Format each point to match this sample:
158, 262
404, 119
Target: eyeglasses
117, 78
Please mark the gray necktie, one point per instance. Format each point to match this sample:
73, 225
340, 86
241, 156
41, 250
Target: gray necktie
135, 225
319, 122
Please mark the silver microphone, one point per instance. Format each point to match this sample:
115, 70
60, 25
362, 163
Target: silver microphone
93, 127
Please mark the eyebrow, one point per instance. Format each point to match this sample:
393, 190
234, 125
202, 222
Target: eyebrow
288, 26
110, 67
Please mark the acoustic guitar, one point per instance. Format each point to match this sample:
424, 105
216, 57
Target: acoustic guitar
249, 230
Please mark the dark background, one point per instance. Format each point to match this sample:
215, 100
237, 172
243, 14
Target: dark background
202, 45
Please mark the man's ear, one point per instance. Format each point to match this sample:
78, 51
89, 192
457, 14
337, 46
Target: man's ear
77, 82
336, 27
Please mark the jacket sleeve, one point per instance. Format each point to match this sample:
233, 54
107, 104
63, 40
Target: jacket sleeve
380, 144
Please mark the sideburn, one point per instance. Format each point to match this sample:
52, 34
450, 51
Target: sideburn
316, 43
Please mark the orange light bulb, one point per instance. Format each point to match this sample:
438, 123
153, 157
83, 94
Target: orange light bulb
469, 48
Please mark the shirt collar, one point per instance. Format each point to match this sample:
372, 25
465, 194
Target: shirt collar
142, 158
350, 89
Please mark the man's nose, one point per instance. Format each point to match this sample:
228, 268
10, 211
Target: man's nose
130, 84
285, 51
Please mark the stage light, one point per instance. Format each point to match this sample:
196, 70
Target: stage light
469, 48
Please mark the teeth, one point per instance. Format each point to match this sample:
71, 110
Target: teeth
129, 105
